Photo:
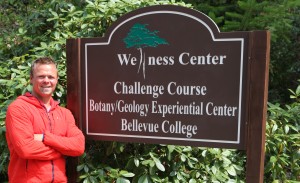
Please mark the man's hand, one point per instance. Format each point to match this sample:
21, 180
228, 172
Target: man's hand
39, 137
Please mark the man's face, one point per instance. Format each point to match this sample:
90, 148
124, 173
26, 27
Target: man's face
44, 80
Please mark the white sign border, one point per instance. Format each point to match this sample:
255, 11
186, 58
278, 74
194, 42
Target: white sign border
159, 137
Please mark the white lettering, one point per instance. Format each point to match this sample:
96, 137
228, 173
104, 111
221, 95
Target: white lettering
136, 126
186, 59
126, 59
173, 89
179, 128
224, 110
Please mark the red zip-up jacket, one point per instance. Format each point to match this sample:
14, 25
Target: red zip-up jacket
33, 161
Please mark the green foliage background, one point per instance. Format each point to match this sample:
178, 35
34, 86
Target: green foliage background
34, 28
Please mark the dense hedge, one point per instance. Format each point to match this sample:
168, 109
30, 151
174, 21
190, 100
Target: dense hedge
30, 29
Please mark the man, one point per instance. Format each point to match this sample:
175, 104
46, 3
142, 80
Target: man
39, 132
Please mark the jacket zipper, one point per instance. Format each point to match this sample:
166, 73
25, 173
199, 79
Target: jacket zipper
52, 163
50, 124
52, 171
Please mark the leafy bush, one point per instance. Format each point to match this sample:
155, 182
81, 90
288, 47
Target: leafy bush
283, 141
160, 163
281, 18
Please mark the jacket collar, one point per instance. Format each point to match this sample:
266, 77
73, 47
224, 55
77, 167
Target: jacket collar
28, 97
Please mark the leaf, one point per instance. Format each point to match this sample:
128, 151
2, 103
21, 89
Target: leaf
3, 81
43, 45
58, 93
226, 153
158, 163
15, 71
83, 26
204, 153
86, 180
298, 91
182, 157
187, 149
193, 159
22, 67
171, 148
86, 168
231, 171
136, 162
192, 181
226, 161
179, 176
93, 179
214, 170
56, 35
126, 173
237, 167
57, 47
19, 86
144, 179
190, 164
54, 13
21, 30
83, 176
79, 167
145, 162
273, 159
286, 129
274, 128
160, 166
173, 173
122, 180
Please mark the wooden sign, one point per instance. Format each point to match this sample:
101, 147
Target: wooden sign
167, 75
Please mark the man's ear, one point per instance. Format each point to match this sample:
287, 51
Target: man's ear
30, 79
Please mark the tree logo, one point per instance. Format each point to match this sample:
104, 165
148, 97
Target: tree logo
140, 37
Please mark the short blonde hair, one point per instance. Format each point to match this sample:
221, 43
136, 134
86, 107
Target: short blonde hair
41, 60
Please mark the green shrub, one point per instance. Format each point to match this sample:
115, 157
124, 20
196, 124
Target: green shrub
130, 162
283, 141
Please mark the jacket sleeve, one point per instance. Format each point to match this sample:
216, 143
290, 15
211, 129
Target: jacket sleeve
20, 136
72, 144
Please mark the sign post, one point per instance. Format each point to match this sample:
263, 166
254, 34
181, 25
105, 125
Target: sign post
166, 74
258, 94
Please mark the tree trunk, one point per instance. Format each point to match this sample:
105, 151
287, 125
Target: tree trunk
141, 58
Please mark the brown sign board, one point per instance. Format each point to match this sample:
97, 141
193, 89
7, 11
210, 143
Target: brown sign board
167, 75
